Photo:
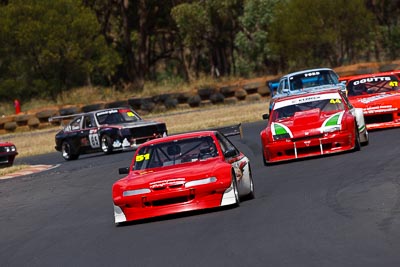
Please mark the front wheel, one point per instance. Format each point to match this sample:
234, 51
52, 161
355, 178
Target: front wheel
106, 144
263, 157
366, 138
68, 151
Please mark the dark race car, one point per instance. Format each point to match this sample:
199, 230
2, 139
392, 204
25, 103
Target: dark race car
179, 173
8, 152
107, 130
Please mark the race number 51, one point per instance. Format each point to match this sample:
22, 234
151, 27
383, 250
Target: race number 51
143, 157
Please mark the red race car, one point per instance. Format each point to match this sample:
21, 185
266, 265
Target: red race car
8, 152
378, 95
179, 173
312, 124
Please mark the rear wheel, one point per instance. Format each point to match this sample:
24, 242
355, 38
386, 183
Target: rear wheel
235, 189
68, 152
250, 195
106, 144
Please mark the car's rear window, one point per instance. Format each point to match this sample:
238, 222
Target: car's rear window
116, 116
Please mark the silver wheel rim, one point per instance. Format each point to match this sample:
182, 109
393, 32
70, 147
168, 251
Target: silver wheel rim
66, 151
104, 145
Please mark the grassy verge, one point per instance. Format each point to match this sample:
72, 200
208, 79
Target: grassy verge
8, 170
42, 141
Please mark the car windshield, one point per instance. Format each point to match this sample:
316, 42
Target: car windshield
373, 85
175, 152
312, 79
117, 116
328, 103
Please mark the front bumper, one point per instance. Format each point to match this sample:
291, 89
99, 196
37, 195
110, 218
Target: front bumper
7, 159
172, 201
293, 149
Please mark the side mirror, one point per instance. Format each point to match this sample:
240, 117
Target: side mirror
265, 116
124, 170
230, 153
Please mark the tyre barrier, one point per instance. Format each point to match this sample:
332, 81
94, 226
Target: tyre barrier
241, 94
22, 120
205, 95
69, 111
228, 91
206, 91
217, 98
194, 101
92, 107
44, 115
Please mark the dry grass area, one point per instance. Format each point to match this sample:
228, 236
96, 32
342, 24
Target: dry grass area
42, 141
12, 169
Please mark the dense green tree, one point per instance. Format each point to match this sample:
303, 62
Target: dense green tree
49, 46
208, 30
388, 30
252, 41
141, 31
310, 33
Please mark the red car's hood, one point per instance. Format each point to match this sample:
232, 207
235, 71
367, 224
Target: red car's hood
177, 174
307, 123
389, 101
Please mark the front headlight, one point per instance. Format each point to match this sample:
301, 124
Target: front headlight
13, 148
136, 192
281, 136
201, 181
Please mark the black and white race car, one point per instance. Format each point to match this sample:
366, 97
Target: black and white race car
107, 130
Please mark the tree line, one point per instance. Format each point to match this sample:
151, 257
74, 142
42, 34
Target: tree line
51, 46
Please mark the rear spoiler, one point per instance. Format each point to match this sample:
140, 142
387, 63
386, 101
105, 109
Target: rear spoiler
56, 118
230, 130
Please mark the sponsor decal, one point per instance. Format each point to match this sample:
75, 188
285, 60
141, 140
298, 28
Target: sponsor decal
373, 98
300, 100
372, 79
165, 183
310, 74
107, 112
379, 109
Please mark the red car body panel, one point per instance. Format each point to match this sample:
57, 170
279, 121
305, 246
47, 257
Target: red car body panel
169, 194
308, 133
185, 186
380, 98
8, 152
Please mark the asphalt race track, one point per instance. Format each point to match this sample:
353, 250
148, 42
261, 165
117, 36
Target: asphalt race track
341, 210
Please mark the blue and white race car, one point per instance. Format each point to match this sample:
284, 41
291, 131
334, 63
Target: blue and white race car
310, 80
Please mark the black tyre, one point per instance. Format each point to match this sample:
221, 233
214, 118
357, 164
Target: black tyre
68, 152
366, 135
263, 157
106, 144
235, 189
250, 195
357, 145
